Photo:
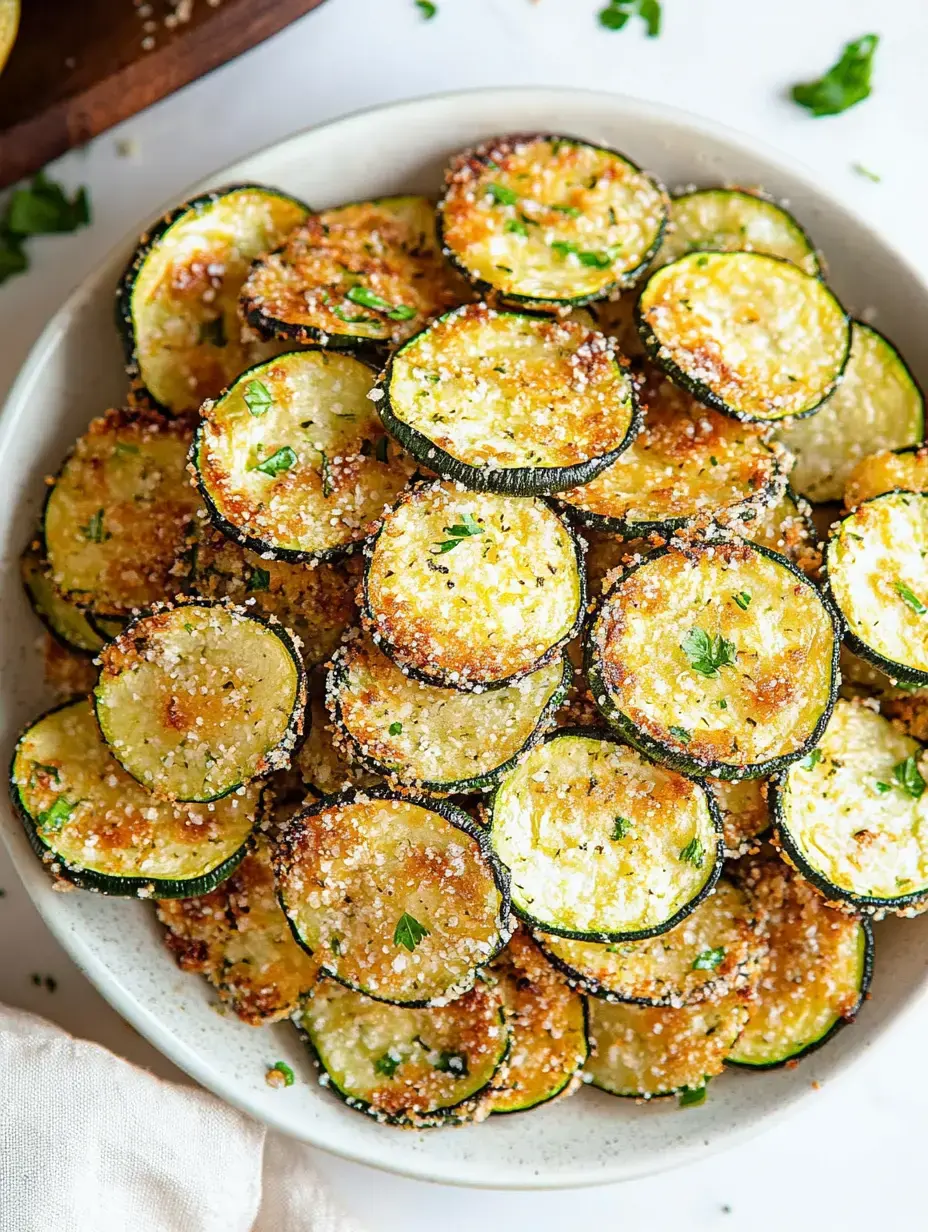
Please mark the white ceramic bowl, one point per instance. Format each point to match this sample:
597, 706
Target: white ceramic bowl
75, 371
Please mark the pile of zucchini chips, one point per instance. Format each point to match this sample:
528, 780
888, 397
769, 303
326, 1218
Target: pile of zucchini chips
447, 643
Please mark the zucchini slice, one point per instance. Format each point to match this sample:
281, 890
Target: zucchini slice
816, 973
602, 845
315, 602
547, 1023
324, 768
735, 220
366, 272
177, 303
875, 562
64, 620
239, 938
689, 467
853, 816
197, 698
402, 1066
402, 897
714, 951
745, 813
903, 469
720, 659
878, 405
507, 402
750, 335
121, 512
644, 1052
293, 461
97, 828
549, 220
438, 739
505, 569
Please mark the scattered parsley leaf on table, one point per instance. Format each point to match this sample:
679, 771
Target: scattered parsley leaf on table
617, 12
427, 9
866, 173
42, 208
845, 84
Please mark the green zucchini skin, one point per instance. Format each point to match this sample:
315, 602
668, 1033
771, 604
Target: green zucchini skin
836, 1026
66, 625
552, 1095
481, 783
694, 767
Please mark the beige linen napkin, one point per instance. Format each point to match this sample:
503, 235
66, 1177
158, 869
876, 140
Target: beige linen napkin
90, 1143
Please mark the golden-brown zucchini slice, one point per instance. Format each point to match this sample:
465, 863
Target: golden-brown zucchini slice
642, 1052
64, 620
510, 402
875, 562
602, 845
853, 815
323, 765
878, 405
239, 938
197, 698
721, 658
293, 461
438, 739
177, 304
120, 513
816, 973
505, 569
750, 335
405, 1066
402, 898
547, 1024
549, 220
716, 950
95, 826
904, 469
745, 813
690, 466
366, 272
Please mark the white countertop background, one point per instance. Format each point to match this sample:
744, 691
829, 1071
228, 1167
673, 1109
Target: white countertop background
853, 1153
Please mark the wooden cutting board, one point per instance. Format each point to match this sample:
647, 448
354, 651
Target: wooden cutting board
80, 66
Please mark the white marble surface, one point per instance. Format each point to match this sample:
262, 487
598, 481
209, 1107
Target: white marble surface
852, 1153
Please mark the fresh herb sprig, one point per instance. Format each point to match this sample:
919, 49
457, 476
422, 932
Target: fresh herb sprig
617, 13
846, 83
41, 208
465, 529
707, 653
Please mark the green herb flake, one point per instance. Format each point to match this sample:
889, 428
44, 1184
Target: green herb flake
708, 960
325, 472
681, 734
845, 84
44, 209
387, 1065
286, 1073
409, 932
909, 597
707, 654
572, 211
395, 728
452, 1063
621, 828
260, 579
811, 760
94, 531
883, 788
515, 226
691, 1097
908, 778
743, 599
427, 9
54, 817
501, 194
258, 398
616, 15
694, 853
282, 460
593, 260
465, 529
866, 173
722, 704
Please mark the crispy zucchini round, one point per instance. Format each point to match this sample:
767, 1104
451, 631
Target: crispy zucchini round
120, 513
735, 220
886, 471
875, 562
505, 571
878, 405
402, 897
508, 402
418, 1068
547, 220
853, 816
643, 1052
721, 658
198, 697
689, 467
602, 845
816, 974
748, 334
438, 739
96, 827
293, 461
368, 272
714, 951
177, 302
547, 1024
64, 620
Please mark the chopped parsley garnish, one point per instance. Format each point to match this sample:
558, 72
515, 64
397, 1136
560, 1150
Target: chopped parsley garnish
908, 596
681, 733
502, 195
409, 932
572, 211
359, 319
282, 1068
708, 960
908, 777
690, 1097
811, 760
708, 654
845, 84
54, 817
515, 226
616, 14
258, 398
694, 853
743, 599
213, 332
123, 450
94, 531
452, 1063
621, 828
595, 260
866, 173
260, 579
282, 460
722, 704
467, 527
427, 9
387, 1065
882, 788
395, 728
370, 299
42, 208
